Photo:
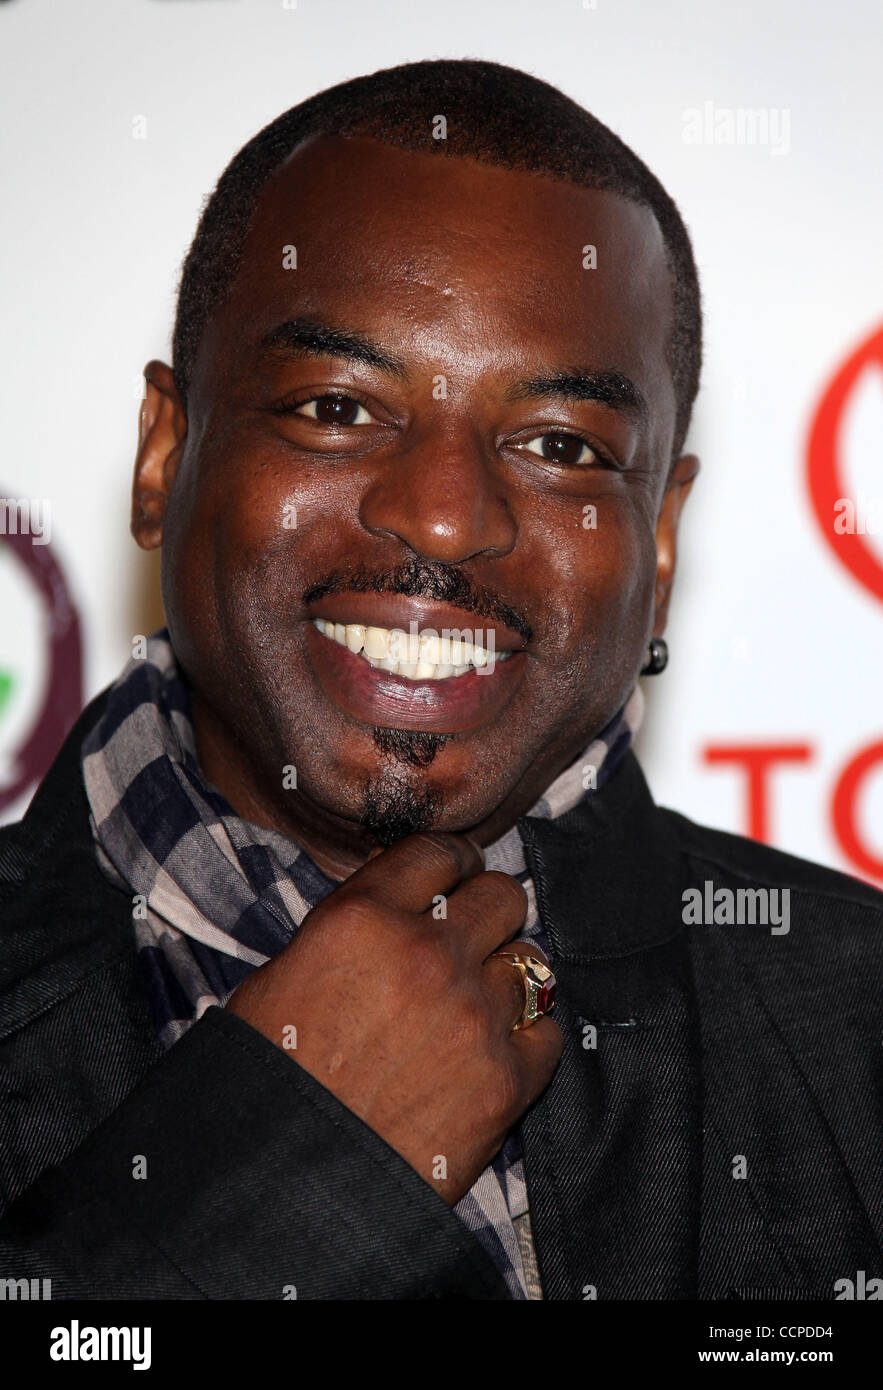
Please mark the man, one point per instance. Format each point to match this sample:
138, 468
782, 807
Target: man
277, 1012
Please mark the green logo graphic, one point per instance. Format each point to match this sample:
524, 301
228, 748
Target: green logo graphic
6, 684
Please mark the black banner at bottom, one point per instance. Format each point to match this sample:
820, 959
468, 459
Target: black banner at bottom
168, 1339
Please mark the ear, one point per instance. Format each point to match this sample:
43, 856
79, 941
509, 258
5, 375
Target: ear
162, 434
676, 492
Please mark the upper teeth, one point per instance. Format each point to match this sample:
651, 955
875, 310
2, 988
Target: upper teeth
420, 656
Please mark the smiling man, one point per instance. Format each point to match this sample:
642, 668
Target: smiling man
284, 925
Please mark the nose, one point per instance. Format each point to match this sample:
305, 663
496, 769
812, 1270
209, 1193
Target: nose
442, 498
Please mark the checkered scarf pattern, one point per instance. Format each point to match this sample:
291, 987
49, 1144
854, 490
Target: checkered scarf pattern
214, 895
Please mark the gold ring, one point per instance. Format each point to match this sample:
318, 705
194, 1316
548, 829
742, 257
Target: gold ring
539, 986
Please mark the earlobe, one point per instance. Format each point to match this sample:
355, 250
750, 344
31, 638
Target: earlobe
162, 435
676, 493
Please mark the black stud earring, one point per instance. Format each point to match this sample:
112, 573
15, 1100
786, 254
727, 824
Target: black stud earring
658, 657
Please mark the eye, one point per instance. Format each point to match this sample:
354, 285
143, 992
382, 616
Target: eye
559, 447
333, 410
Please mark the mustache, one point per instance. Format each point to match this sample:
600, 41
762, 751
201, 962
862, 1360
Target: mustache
417, 579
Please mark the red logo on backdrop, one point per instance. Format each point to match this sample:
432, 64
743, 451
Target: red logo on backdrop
825, 467
827, 486
63, 697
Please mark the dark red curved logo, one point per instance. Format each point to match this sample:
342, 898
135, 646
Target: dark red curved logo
825, 467
63, 695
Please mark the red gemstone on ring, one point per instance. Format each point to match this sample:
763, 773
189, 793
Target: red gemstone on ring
546, 996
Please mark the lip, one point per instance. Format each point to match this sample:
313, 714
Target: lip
397, 611
384, 700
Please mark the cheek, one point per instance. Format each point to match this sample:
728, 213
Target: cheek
249, 522
224, 512
599, 590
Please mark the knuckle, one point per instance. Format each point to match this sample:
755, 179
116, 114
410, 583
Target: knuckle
431, 967
356, 911
468, 1027
506, 894
515, 889
349, 923
469, 1024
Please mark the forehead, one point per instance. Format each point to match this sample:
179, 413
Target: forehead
455, 259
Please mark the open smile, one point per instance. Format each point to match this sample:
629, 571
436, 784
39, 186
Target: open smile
420, 679
418, 656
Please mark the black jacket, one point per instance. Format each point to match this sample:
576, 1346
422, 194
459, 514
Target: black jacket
720, 1050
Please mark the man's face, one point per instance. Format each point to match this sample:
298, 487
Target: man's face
465, 478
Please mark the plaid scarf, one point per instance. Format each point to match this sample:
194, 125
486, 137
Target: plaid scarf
214, 895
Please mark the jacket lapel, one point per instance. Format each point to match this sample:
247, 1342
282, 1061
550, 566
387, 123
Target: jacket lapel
613, 1147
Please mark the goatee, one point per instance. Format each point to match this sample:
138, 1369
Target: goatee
396, 803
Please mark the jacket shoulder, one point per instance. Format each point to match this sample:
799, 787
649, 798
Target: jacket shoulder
754, 863
60, 920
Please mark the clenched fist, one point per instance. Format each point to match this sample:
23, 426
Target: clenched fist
404, 1017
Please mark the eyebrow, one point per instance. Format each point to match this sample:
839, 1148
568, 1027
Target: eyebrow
308, 336
582, 384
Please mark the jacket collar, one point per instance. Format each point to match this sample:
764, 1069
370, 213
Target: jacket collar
613, 852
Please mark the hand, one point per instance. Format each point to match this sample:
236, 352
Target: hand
403, 1016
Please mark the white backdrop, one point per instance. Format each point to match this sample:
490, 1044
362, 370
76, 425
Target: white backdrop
118, 116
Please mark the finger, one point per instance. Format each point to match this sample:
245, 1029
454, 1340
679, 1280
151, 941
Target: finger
538, 1051
416, 870
484, 912
504, 990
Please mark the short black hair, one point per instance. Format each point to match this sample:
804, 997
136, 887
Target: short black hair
495, 114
